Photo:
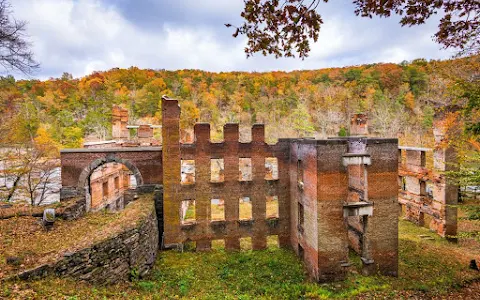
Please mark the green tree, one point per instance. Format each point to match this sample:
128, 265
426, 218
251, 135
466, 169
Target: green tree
301, 121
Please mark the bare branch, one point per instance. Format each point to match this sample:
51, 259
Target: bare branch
15, 53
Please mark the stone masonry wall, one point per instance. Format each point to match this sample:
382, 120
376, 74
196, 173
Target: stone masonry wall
109, 261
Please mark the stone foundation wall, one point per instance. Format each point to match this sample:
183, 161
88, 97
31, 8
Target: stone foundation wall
115, 259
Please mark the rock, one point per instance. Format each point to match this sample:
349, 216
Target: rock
13, 260
473, 265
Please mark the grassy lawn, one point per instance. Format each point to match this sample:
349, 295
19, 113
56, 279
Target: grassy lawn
428, 267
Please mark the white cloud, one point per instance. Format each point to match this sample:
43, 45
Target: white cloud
81, 36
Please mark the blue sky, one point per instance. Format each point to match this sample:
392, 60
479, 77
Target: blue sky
82, 36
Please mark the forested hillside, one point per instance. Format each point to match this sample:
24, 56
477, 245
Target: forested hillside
399, 98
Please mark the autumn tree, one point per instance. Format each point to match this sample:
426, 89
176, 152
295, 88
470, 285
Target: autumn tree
15, 53
282, 27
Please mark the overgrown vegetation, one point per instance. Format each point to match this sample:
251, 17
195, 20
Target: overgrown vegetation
276, 274
24, 238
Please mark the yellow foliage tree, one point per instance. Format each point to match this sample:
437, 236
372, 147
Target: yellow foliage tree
410, 101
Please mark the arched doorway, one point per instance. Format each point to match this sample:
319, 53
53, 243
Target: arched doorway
108, 182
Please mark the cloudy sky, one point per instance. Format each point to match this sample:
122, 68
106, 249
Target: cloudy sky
82, 36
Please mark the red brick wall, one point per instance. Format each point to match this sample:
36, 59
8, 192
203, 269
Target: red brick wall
148, 161
204, 230
322, 191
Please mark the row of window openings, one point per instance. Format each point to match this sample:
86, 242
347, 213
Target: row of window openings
217, 209
426, 188
105, 191
217, 167
245, 243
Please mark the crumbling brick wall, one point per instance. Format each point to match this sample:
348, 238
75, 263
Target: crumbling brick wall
78, 164
328, 194
203, 229
427, 192
119, 123
322, 185
312, 188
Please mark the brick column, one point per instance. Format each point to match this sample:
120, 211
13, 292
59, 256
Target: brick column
381, 232
259, 239
283, 156
232, 195
202, 184
332, 193
171, 169
445, 192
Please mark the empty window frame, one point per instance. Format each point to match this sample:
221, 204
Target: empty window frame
423, 188
301, 215
272, 207
301, 252
187, 211
272, 241
218, 244
117, 183
245, 208
217, 209
105, 190
245, 169
187, 172
246, 243
217, 170
271, 168
429, 189
300, 171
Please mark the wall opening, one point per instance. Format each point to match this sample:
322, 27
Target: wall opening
217, 210
271, 168
423, 188
105, 191
245, 208
245, 169
403, 183
189, 246
246, 243
301, 252
187, 212
300, 171
187, 171
272, 210
429, 189
301, 217
117, 183
217, 170
272, 241
218, 244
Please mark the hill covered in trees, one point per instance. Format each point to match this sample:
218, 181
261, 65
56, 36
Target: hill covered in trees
399, 98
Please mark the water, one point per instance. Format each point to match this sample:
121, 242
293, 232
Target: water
51, 194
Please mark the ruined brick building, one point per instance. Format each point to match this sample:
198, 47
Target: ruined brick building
108, 184
427, 196
319, 197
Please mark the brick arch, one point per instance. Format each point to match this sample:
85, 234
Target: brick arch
83, 179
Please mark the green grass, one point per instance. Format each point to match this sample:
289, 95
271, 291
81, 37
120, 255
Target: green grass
427, 267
